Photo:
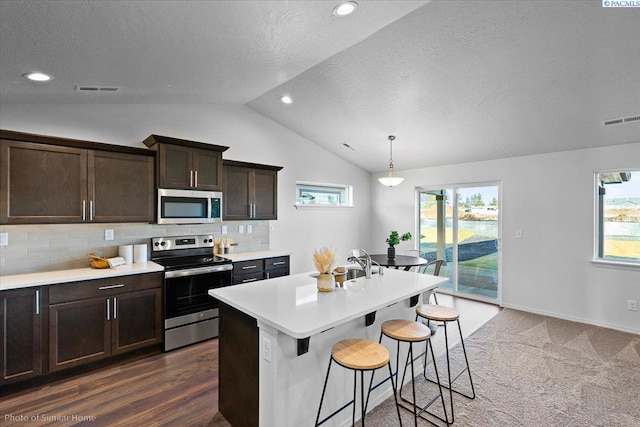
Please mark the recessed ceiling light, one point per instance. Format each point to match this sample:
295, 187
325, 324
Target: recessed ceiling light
345, 8
37, 77
286, 99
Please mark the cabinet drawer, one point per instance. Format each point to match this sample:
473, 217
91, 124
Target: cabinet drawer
276, 263
248, 277
76, 291
279, 272
244, 267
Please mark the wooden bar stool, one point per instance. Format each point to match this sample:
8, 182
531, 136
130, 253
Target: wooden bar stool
439, 313
359, 355
411, 332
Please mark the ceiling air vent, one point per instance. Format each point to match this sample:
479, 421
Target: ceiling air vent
620, 120
96, 89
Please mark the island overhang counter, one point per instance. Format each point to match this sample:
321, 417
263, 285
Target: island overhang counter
276, 336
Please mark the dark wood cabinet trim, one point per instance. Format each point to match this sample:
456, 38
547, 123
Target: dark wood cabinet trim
75, 143
152, 140
237, 163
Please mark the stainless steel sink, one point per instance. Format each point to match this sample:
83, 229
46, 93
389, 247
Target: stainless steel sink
354, 273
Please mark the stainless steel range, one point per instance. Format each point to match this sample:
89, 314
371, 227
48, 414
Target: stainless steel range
191, 269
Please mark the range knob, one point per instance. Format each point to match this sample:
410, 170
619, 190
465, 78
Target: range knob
156, 244
163, 244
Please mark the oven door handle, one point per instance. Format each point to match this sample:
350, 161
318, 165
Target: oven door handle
198, 270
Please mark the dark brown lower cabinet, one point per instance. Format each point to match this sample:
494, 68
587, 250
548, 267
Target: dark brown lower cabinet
21, 334
84, 330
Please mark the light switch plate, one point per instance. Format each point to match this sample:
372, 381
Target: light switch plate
4, 239
241, 229
108, 234
224, 229
249, 229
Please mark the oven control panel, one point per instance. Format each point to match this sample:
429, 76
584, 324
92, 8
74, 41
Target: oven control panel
181, 242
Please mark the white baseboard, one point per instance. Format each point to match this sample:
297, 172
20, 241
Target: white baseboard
573, 319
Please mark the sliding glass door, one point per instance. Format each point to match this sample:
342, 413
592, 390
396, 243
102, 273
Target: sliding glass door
461, 225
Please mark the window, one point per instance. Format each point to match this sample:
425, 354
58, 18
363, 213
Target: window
618, 223
315, 194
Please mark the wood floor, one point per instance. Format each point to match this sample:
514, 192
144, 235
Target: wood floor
179, 388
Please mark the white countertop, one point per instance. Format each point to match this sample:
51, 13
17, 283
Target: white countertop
293, 305
246, 256
74, 275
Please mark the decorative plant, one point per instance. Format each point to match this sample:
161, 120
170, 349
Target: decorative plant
395, 238
324, 258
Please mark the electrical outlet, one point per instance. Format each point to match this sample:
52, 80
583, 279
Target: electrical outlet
266, 349
249, 229
224, 229
4, 239
108, 234
632, 305
241, 229
518, 234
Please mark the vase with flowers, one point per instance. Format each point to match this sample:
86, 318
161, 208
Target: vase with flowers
324, 259
394, 239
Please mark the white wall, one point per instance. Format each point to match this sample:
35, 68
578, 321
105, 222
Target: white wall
550, 198
250, 136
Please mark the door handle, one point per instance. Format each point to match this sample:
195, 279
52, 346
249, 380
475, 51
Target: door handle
190, 178
84, 210
115, 308
108, 310
90, 210
37, 302
104, 288
249, 280
196, 179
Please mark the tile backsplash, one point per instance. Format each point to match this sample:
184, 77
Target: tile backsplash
44, 247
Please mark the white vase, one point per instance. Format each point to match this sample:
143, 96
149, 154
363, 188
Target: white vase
326, 282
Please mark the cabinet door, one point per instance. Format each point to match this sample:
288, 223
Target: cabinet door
236, 193
208, 169
121, 187
175, 168
42, 183
79, 332
137, 320
265, 194
20, 334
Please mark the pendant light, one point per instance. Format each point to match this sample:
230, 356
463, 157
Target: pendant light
390, 180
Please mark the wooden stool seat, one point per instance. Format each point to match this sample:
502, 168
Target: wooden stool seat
437, 313
360, 354
405, 330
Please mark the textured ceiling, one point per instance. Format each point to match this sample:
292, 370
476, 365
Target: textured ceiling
455, 81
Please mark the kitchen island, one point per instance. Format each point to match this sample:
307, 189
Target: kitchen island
276, 337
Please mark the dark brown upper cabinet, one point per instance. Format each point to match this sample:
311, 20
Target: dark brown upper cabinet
55, 180
187, 165
250, 191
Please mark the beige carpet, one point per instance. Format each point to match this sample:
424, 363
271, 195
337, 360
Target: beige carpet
532, 370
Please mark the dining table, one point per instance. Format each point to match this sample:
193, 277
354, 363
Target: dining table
404, 261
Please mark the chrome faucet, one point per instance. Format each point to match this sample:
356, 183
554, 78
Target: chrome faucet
355, 256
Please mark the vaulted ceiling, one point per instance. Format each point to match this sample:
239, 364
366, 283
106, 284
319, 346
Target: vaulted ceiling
454, 81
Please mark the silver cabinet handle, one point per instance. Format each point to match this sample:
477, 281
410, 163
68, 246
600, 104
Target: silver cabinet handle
249, 280
268, 275
196, 180
84, 210
37, 302
279, 263
108, 310
103, 288
115, 308
254, 211
190, 178
90, 210
249, 267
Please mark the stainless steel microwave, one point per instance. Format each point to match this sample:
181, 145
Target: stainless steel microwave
189, 206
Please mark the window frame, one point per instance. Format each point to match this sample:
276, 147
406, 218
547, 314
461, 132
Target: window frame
598, 224
345, 189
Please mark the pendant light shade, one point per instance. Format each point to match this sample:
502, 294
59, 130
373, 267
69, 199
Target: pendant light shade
390, 180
